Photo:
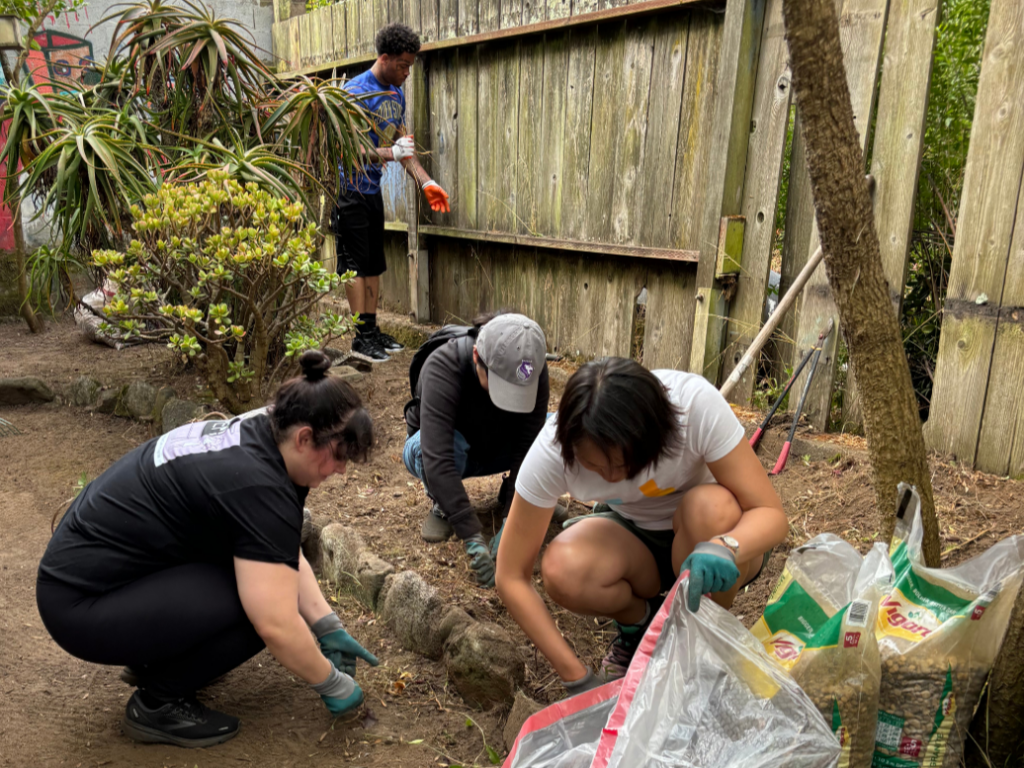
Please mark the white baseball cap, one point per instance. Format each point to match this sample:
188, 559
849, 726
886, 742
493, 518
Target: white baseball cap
513, 349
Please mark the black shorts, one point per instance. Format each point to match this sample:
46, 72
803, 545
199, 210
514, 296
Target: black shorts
359, 231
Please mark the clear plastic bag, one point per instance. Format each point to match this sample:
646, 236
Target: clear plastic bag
819, 625
702, 692
939, 631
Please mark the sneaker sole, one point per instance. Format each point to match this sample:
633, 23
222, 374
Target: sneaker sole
367, 358
394, 351
146, 735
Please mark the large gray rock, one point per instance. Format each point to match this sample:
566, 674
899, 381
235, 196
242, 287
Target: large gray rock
311, 541
139, 399
484, 664
557, 378
110, 400
341, 547
413, 610
164, 395
178, 412
83, 391
23, 390
347, 373
522, 708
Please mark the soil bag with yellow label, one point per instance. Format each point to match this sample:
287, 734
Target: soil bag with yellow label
939, 631
819, 625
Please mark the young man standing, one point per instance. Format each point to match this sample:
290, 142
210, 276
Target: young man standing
360, 210
480, 400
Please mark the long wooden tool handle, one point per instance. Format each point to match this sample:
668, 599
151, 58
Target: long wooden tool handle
773, 322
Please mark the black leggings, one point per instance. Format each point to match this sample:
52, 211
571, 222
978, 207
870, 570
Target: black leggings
178, 629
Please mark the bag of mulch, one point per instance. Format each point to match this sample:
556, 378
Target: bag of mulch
564, 735
700, 691
939, 631
819, 626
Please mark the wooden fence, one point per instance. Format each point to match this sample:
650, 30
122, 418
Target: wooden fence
593, 149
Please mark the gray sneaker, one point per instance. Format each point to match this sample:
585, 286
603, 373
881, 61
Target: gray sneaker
435, 527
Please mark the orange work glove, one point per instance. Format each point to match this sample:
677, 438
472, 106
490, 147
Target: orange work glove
437, 197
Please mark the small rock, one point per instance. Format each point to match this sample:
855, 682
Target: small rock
413, 610
484, 664
371, 574
109, 400
311, 541
347, 373
26, 389
84, 391
164, 395
454, 620
139, 399
522, 709
179, 412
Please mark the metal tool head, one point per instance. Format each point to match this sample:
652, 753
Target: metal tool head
7, 429
828, 330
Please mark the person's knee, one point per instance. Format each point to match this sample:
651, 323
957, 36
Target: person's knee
705, 511
565, 573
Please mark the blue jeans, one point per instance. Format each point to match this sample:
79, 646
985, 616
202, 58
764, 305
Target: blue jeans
465, 463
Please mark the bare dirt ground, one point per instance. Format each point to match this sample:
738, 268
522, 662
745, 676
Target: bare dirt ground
56, 710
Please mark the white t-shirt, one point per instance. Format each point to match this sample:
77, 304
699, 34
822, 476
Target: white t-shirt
710, 430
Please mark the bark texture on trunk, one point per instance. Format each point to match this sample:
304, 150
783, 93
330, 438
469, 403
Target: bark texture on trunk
853, 263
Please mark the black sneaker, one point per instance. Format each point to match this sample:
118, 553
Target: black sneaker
390, 343
616, 662
183, 722
367, 348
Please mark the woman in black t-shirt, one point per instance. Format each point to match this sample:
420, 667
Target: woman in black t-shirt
182, 560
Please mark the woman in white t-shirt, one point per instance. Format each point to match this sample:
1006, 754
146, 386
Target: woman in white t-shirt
682, 488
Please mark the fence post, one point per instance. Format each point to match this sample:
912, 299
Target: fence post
741, 44
418, 107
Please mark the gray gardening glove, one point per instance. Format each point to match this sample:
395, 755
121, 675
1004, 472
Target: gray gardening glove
588, 682
480, 560
339, 692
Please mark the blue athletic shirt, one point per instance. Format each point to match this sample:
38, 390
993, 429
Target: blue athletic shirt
387, 113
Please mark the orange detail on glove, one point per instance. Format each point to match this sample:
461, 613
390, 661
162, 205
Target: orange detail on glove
436, 197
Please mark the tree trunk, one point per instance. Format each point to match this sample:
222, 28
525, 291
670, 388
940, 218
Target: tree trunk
998, 727
853, 263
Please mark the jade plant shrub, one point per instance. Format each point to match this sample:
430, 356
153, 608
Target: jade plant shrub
226, 275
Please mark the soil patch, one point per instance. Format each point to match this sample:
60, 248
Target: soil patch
57, 710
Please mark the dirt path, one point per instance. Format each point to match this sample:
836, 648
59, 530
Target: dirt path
56, 710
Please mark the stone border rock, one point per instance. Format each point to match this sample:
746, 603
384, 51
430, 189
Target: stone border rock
481, 658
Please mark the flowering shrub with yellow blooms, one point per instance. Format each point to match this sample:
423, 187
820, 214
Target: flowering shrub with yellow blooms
226, 275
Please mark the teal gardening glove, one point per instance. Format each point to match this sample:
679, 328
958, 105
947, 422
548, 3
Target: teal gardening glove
339, 692
339, 646
712, 569
480, 560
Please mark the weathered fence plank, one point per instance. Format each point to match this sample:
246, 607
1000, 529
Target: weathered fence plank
444, 108
429, 11
559, 9
578, 111
605, 129
380, 19
528, 156
511, 13
656, 210
768, 124
468, 15
508, 135
550, 168
352, 38
468, 75
340, 43
668, 327
488, 125
489, 15
534, 11
394, 283
985, 233
448, 19
862, 29
635, 90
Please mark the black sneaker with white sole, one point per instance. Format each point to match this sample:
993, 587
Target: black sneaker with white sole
367, 348
390, 343
183, 722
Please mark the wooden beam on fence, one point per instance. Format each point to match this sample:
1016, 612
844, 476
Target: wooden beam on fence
768, 124
551, 25
977, 407
417, 106
558, 244
898, 145
863, 22
737, 72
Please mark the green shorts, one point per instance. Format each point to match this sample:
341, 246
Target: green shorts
659, 543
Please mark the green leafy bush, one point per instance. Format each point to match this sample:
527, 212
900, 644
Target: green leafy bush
225, 274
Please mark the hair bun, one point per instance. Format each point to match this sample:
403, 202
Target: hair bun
314, 364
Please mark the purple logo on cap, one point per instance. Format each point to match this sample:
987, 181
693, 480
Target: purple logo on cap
525, 370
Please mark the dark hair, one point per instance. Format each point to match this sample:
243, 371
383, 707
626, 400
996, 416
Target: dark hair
617, 403
328, 405
395, 39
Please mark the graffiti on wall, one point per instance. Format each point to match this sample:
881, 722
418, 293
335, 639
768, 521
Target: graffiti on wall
64, 62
